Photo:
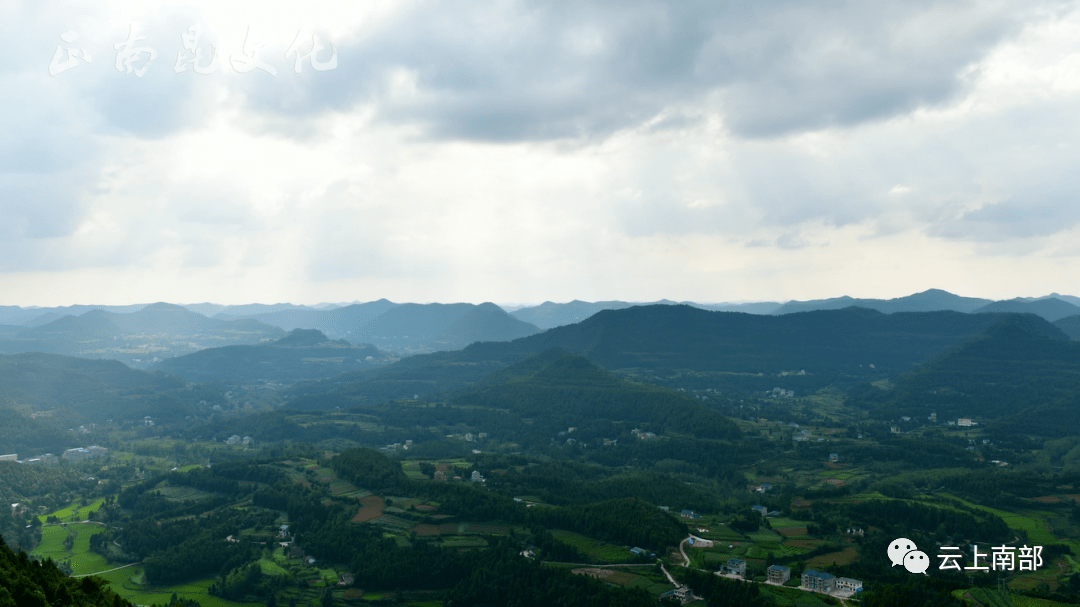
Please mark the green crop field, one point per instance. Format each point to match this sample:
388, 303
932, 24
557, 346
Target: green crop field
270, 567
779, 521
764, 536
85, 511
1026, 601
122, 583
80, 558
596, 549
989, 598
1030, 523
723, 533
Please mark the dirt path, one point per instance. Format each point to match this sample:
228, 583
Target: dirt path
108, 570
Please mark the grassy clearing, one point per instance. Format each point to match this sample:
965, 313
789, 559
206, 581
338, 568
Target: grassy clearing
779, 521
270, 567
123, 583
1026, 601
85, 511
595, 549
1033, 526
844, 557
80, 558
989, 598
764, 536
179, 493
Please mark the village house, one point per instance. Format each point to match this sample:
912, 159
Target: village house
778, 574
736, 566
848, 584
681, 594
817, 580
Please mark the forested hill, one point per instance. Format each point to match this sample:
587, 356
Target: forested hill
1070, 325
302, 354
654, 337
79, 391
137, 338
1021, 375
557, 390
828, 345
41, 584
404, 328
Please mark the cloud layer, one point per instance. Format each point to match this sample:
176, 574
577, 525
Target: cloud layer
530, 151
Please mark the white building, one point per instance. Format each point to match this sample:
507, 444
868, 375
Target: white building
848, 584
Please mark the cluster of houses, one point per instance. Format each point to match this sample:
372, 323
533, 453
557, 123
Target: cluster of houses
236, 440
77, 454
816, 581
80, 453
826, 582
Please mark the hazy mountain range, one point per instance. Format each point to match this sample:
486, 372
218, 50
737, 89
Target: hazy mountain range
142, 335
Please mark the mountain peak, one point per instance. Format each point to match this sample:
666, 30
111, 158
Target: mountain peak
302, 337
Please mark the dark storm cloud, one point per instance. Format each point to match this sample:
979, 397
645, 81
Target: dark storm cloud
527, 71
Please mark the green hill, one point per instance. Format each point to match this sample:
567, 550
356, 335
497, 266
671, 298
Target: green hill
138, 338
41, 584
302, 354
931, 300
404, 328
1070, 325
729, 351
1050, 308
1022, 375
76, 391
557, 390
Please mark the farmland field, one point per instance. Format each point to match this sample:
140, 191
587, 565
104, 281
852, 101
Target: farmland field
371, 508
596, 549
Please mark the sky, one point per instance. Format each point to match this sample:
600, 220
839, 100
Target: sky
520, 152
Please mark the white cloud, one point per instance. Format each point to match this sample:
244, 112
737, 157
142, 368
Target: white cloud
527, 152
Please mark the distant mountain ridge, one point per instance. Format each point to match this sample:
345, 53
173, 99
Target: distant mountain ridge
1050, 308
1070, 325
729, 350
137, 338
404, 328
164, 330
301, 354
931, 300
548, 314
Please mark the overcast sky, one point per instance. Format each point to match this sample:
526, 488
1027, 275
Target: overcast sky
519, 152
